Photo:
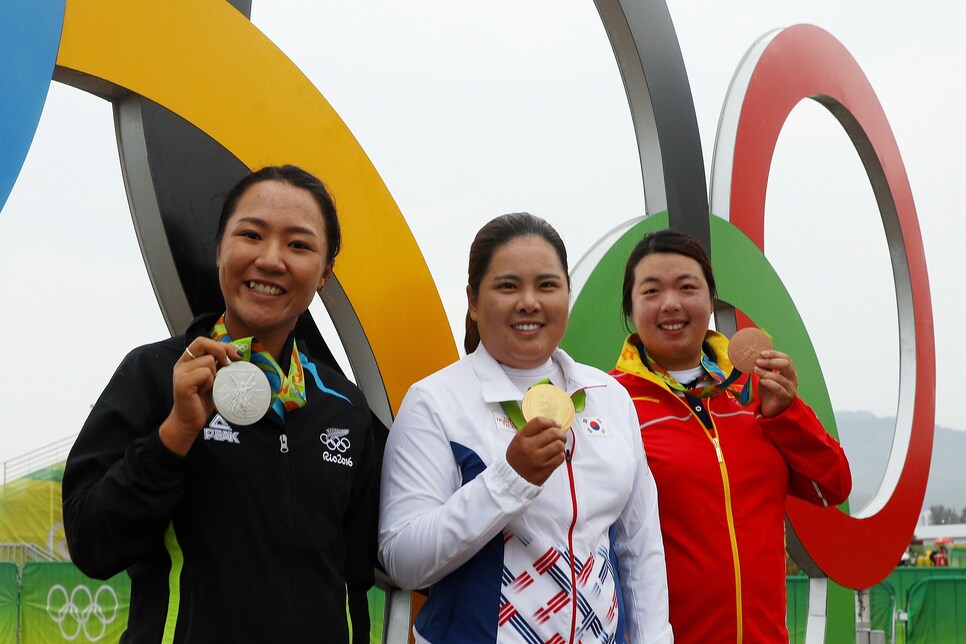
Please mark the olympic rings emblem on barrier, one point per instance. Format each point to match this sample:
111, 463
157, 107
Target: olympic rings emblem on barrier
81, 612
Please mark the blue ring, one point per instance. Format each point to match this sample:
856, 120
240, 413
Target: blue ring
29, 41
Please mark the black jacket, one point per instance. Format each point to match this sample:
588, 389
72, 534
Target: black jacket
258, 545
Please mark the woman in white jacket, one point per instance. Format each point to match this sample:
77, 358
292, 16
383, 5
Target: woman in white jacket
502, 518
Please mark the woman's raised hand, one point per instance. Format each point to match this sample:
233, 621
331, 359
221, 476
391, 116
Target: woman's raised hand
777, 382
193, 378
537, 449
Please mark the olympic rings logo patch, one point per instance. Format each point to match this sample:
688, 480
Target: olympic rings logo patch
80, 611
335, 439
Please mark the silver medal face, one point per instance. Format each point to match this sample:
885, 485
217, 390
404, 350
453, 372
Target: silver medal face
242, 393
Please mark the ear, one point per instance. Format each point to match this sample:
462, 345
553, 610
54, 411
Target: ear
326, 274
217, 255
471, 303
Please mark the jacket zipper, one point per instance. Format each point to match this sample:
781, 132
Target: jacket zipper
286, 472
730, 518
570, 542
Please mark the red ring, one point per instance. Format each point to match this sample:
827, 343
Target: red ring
822, 69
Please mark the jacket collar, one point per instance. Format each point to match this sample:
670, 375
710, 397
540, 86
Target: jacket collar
202, 324
630, 361
497, 386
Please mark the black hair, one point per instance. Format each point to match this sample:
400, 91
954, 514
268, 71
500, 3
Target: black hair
666, 240
496, 233
293, 176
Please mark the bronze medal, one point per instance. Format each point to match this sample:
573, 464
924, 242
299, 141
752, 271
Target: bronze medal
746, 347
549, 401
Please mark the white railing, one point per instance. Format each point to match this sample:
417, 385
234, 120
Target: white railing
37, 459
21, 553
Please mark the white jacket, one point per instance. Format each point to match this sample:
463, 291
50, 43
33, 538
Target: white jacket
493, 548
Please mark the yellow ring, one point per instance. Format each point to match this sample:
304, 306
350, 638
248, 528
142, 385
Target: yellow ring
204, 61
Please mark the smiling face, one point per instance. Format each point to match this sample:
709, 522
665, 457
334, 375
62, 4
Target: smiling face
671, 308
522, 305
271, 261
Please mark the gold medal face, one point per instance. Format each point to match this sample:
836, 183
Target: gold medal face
746, 346
549, 401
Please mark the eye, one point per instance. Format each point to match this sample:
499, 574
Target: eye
505, 286
550, 285
300, 245
249, 234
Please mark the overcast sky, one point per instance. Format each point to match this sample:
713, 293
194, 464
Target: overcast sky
470, 110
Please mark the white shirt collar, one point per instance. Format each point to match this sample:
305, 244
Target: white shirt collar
498, 387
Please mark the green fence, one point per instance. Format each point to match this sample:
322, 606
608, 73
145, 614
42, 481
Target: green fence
54, 602
900, 582
59, 603
796, 611
9, 601
934, 599
937, 611
882, 608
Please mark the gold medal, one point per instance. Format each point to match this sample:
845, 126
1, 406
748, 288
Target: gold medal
746, 346
549, 401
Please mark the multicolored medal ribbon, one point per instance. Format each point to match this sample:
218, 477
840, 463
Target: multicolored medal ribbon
721, 382
288, 390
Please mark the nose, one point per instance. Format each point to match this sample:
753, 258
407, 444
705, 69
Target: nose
270, 258
670, 301
528, 301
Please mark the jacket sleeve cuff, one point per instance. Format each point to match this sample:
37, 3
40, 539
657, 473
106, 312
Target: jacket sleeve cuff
797, 413
516, 485
153, 456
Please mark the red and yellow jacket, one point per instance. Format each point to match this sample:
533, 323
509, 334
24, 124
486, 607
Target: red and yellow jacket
721, 498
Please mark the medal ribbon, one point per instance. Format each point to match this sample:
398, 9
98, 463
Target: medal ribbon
512, 407
721, 383
288, 390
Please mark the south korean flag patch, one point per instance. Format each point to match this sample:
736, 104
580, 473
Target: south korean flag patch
593, 426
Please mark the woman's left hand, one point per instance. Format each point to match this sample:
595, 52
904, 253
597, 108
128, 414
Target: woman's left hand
777, 382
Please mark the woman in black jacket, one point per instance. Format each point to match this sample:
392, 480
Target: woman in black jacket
253, 521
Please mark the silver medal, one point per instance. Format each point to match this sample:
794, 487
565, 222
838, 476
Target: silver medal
242, 393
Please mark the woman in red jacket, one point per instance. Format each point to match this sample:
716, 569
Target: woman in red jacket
723, 464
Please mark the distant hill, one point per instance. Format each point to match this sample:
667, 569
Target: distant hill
867, 440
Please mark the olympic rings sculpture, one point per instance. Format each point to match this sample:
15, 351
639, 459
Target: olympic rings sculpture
394, 340
82, 612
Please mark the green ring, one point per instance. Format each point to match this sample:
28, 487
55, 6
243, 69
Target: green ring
745, 279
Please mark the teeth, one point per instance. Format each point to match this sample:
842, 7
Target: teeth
526, 327
265, 289
673, 327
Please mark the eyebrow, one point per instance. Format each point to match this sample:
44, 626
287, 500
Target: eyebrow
258, 221
516, 278
684, 276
